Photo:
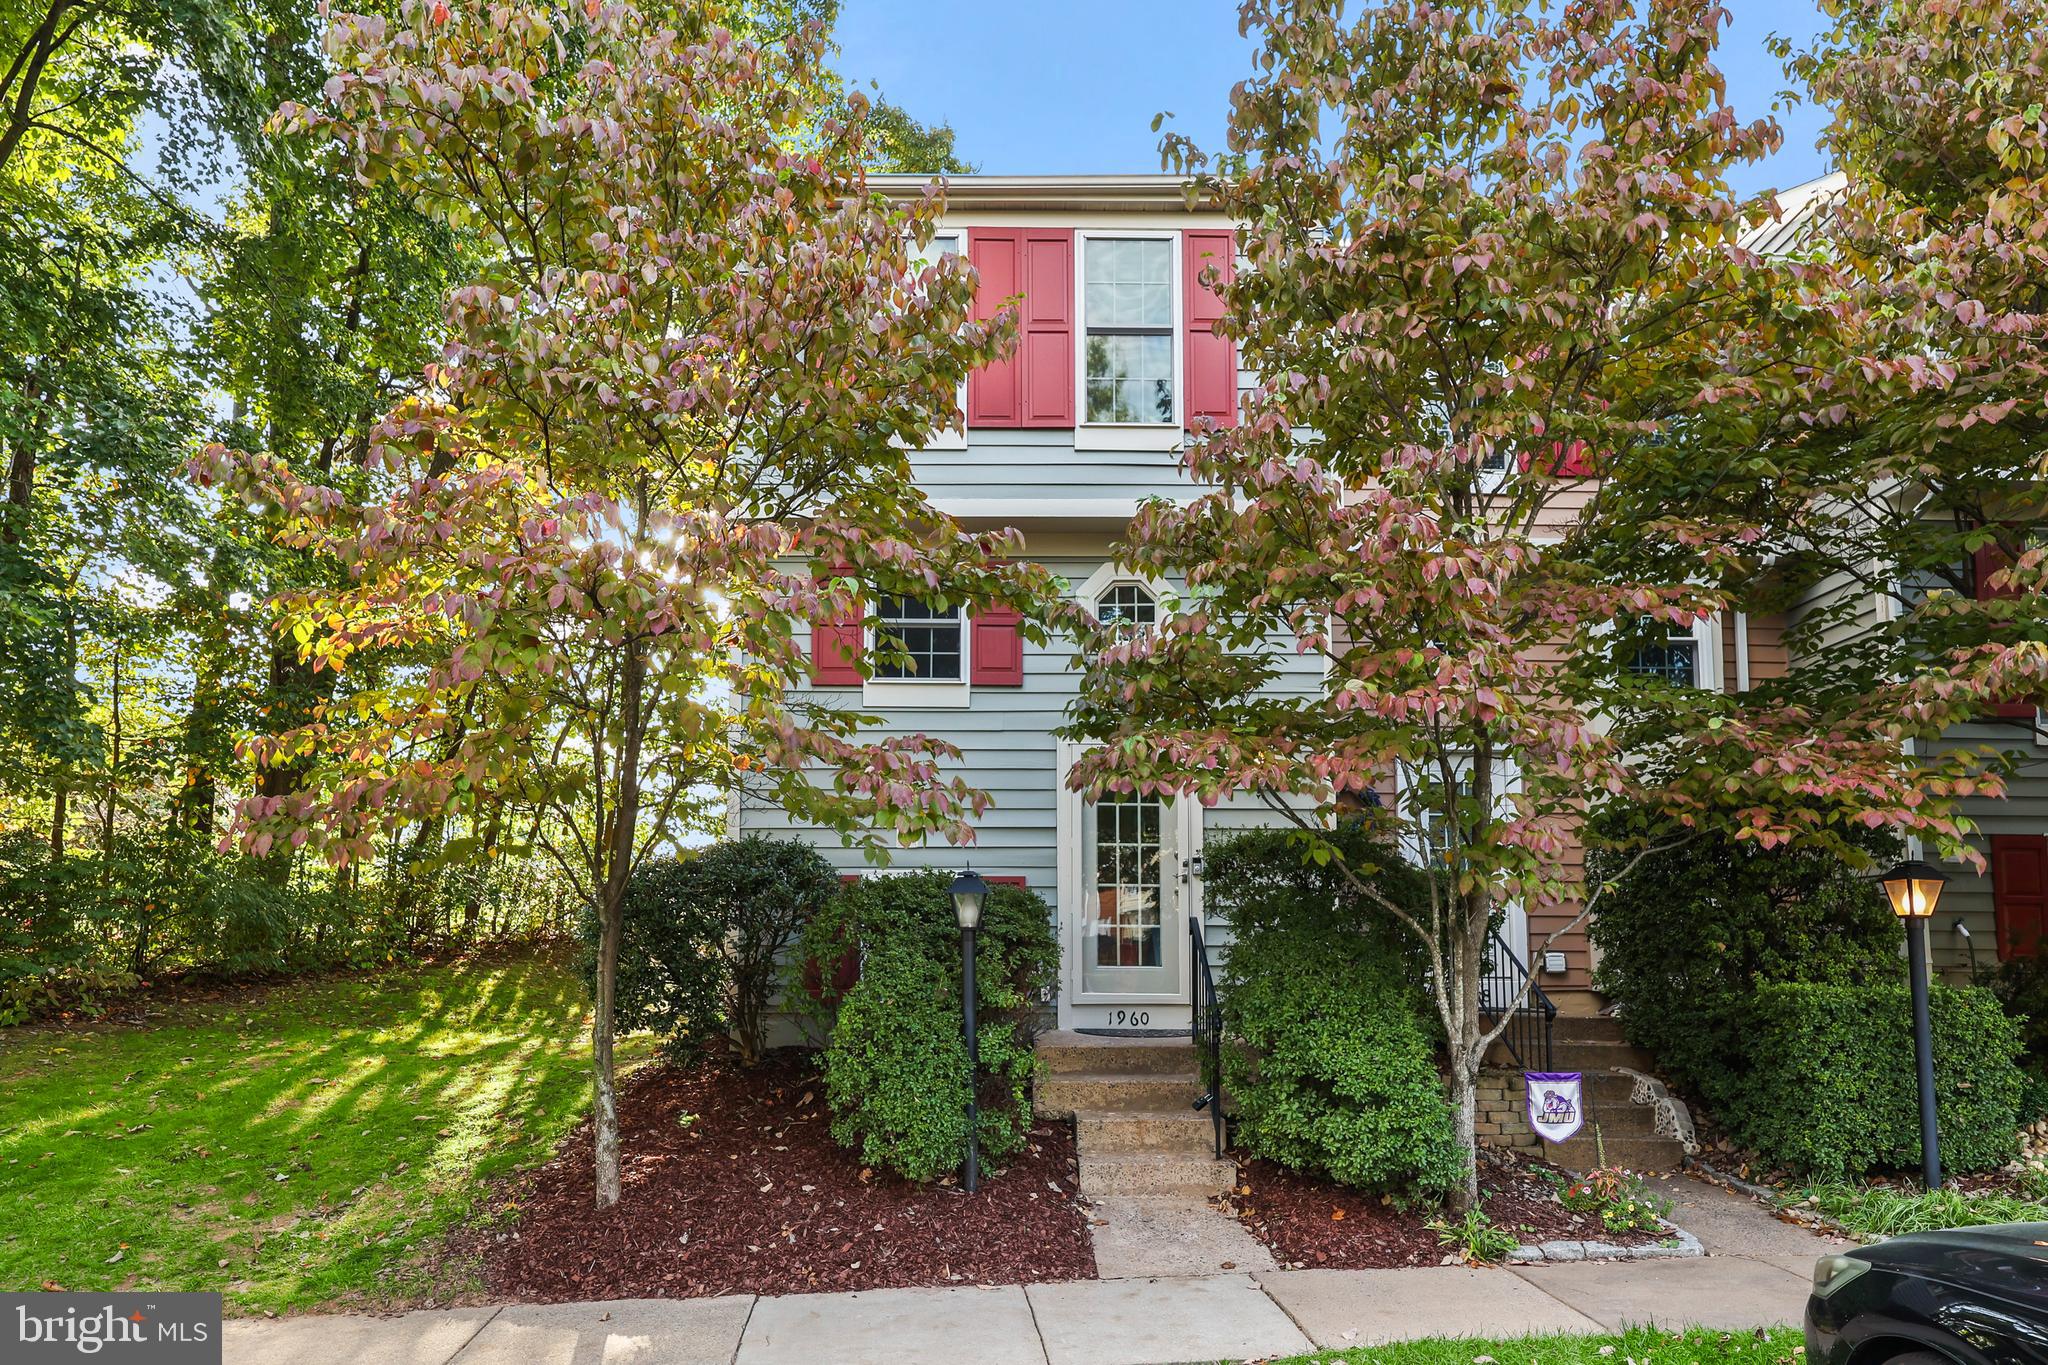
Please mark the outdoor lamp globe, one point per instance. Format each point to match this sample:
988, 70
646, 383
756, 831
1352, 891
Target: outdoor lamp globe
969, 892
1914, 887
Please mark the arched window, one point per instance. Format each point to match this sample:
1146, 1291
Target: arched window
1127, 605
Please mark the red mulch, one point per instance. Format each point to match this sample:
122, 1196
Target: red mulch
1315, 1224
752, 1196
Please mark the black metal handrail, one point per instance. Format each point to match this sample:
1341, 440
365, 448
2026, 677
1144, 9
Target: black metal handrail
1205, 1026
1527, 1035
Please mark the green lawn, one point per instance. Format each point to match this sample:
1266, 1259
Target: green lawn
304, 1145
1639, 1346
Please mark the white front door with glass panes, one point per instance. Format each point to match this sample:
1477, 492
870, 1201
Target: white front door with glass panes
1124, 903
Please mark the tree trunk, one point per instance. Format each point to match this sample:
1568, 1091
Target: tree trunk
611, 905
57, 815
1465, 1099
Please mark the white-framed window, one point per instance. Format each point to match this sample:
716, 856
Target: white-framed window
1682, 656
947, 242
1128, 362
929, 667
1130, 606
931, 642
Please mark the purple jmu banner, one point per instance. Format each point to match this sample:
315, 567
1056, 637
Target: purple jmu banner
1557, 1103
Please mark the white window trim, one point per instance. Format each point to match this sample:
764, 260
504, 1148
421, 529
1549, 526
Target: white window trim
1127, 435
1108, 576
928, 692
946, 438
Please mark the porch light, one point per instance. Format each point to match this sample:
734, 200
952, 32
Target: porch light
1914, 888
969, 893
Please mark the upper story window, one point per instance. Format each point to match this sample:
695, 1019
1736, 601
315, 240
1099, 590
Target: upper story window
1128, 319
929, 636
1129, 606
1668, 653
953, 436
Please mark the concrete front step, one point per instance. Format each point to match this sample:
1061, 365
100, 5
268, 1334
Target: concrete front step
1064, 1050
1152, 1173
1637, 1153
1586, 1028
1574, 1055
1066, 1092
1185, 1131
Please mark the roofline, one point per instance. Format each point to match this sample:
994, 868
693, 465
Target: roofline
1156, 193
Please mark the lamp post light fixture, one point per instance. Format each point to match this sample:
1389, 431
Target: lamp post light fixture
970, 892
1915, 888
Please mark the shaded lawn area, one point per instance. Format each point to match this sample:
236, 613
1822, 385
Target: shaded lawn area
1637, 1346
302, 1145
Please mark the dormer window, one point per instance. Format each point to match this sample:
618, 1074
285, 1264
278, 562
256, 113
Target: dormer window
1127, 304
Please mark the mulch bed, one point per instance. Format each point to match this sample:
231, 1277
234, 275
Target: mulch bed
1314, 1224
732, 1184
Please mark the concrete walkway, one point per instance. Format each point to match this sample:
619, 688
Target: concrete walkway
1754, 1275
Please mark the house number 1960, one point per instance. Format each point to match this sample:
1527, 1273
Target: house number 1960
1129, 1018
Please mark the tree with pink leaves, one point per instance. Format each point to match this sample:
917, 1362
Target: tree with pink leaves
1491, 264
690, 372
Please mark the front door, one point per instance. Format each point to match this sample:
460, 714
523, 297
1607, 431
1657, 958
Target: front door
1129, 937
1124, 903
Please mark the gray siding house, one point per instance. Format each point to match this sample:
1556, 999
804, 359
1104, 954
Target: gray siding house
1062, 443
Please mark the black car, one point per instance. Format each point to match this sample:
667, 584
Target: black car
1967, 1296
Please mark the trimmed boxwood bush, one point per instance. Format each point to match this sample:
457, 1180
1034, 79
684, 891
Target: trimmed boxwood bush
895, 1062
1829, 1087
1328, 1056
1771, 986
704, 933
1685, 937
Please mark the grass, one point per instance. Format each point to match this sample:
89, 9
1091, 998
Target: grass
1637, 1346
306, 1145
1888, 1211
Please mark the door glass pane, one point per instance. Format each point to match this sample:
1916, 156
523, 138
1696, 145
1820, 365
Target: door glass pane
1127, 900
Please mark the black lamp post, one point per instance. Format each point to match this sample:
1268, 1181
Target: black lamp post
1914, 888
969, 892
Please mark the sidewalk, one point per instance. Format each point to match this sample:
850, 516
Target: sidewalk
1755, 1275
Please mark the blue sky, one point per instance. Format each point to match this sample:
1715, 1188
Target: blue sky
1071, 85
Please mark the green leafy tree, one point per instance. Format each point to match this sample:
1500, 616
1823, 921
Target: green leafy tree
691, 365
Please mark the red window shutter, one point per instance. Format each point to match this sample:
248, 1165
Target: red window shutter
836, 648
1006, 880
1208, 362
996, 649
2019, 892
995, 395
1988, 560
1047, 348
1563, 462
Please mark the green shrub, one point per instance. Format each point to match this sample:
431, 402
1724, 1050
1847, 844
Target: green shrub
1828, 1087
1329, 1057
704, 935
2021, 985
1688, 933
895, 1063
